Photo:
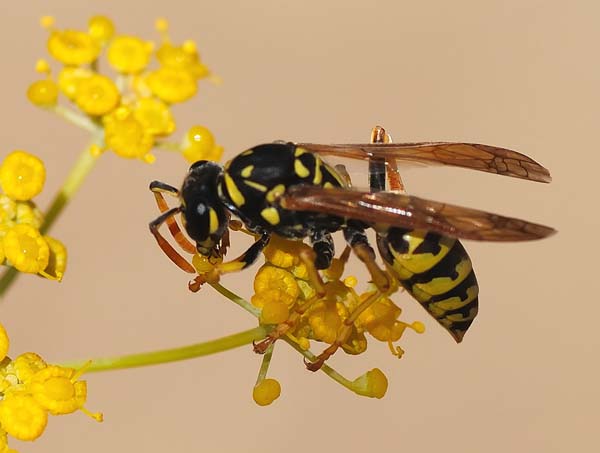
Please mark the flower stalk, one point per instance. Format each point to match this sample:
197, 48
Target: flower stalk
174, 354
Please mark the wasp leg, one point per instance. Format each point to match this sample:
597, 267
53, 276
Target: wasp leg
158, 188
379, 168
245, 259
308, 257
164, 244
344, 332
357, 239
322, 244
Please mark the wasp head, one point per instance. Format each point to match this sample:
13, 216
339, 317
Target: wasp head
205, 217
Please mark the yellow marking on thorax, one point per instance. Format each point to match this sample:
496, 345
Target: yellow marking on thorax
247, 171
441, 285
328, 185
256, 185
271, 215
318, 172
213, 224
300, 169
235, 194
275, 193
299, 151
247, 152
407, 264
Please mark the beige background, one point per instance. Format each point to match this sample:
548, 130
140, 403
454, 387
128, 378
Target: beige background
520, 74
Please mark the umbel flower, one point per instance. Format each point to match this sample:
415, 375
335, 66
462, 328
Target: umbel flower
130, 114
285, 299
31, 390
23, 244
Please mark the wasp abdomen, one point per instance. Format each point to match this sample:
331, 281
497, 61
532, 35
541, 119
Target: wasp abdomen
437, 272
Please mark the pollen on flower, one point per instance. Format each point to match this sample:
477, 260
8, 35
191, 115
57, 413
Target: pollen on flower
276, 279
101, 28
43, 93
69, 79
22, 175
199, 144
22, 417
4, 343
373, 384
57, 262
126, 136
172, 85
129, 54
274, 311
26, 249
97, 95
155, 116
266, 391
54, 390
27, 365
72, 47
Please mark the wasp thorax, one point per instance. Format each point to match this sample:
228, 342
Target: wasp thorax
204, 216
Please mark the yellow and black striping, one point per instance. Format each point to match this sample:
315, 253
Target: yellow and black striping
437, 271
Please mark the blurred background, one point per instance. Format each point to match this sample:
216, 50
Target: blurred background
518, 74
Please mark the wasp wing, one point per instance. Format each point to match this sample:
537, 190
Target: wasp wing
406, 211
486, 158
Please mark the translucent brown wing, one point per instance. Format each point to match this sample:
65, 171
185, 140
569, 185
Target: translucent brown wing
467, 155
407, 211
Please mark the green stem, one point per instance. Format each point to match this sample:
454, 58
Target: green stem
77, 119
175, 354
264, 366
237, 299
77, 175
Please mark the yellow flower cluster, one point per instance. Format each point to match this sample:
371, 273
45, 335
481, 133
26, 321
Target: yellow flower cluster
286, 297
130, 115
282, 287
22, 244
30, 390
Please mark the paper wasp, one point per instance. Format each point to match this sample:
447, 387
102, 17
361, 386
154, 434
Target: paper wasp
287, 189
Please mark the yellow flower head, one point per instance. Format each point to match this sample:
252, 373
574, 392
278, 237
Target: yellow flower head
199, 144
69, 79
129, 54
4, 343
279, 282
97, 95
126, 136
266, 391
28, 213
26, 365
101, 28
57, 390
57, 263
22, 417
184, 57
155, 116
325, 320
43, 93
72, 47
22, 175
26, 249
172, 85
373, 384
